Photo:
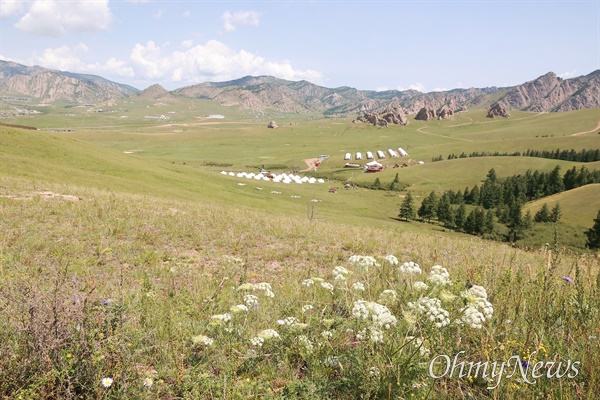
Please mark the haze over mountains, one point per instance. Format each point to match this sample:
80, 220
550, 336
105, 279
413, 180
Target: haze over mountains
548, 93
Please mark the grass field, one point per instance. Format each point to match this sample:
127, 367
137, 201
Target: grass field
126, 254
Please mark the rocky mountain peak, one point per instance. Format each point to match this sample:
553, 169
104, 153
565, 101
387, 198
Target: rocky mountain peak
155, 92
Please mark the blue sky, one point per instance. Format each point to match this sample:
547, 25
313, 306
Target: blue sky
375, 45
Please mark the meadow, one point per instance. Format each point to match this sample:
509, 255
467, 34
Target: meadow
149, 274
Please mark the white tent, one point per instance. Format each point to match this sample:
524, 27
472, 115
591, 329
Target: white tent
380, 154
402, 152
369, 155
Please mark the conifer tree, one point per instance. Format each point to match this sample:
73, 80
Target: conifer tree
407, 208
543, 215
593, 234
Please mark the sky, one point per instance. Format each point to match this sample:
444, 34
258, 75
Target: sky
368, 45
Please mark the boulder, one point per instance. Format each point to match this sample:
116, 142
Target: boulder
445, 112
426, 114
498, 110
395, 116
272, 125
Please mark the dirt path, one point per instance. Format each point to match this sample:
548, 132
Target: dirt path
590, 131
442, 136
497, 120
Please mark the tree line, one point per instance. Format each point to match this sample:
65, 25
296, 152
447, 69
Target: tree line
558, 154
498, 201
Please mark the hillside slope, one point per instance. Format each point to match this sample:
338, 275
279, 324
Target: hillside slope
50, 85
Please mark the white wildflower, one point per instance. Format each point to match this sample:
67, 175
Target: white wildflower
305, 342
326, 334
107, 382
376, 335
148, 382
363, 262
222, 318
238, 308
379, 314
431, 309
257, 341
374, 372
388, 295
251, 300
358, 287
391, 259
410, 268
420, 286
327, 285
340, 273
438, 276
308, 282
268, 334
246, 286
203, 340
264, 287
307, 308
289, 321
472, 317
476, 297
372, 333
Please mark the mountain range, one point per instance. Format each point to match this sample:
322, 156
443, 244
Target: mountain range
548, 93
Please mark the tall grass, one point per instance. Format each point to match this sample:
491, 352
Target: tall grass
134, 288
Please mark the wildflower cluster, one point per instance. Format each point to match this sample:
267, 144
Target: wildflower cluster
478, 308
380, 315
202, 340
432, 311
316, 336
363, 262
439, 276
340, 274
393, 260
262, 287
410, 268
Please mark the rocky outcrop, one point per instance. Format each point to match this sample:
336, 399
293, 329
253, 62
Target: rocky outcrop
272, 125
394, 116
445, 112
498, 110
425, 114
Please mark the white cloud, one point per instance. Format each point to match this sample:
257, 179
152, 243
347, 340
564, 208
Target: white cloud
440, 89
240, 18
10, 8
66, 58
382, 89
187, 43
416, 86
56, 18
158, 14
213, 61
568, 75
